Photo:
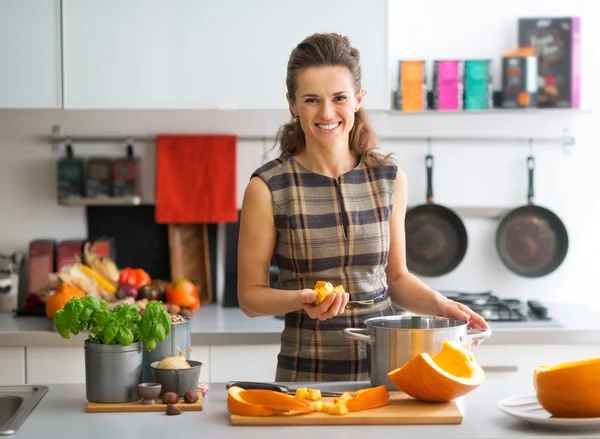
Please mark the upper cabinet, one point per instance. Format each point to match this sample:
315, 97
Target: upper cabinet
226, 54
30, 52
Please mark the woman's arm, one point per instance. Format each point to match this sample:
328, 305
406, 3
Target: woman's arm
255, 250
405, 289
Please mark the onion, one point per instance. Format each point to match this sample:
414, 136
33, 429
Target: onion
177, 362
126, 290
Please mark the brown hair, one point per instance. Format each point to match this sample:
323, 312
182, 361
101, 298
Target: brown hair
328, 50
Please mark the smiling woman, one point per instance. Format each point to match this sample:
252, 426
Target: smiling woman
330, 208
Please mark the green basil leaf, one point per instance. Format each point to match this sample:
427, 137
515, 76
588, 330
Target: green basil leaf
91, 302
150, 344
125, 337
158, 331
110, 332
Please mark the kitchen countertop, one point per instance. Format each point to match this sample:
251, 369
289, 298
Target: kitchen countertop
214, 325
62, 411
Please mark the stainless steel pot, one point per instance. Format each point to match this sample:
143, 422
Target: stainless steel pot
392, 341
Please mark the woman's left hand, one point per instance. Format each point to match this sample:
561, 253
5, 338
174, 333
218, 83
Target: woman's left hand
455, 310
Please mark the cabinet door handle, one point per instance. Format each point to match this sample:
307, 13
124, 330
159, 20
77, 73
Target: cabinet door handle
499, 368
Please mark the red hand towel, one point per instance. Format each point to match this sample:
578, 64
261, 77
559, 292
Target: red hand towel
196, 179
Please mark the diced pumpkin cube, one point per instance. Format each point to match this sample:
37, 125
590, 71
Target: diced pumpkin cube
339, 289
314, 394
338, 409
301, 393
317, 405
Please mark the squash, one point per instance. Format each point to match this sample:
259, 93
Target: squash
570, 389
323, 289
238, 406
61, 296
366, 399
273, 400
451, 373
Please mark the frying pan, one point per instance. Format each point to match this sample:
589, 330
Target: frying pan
436, 238
531, 240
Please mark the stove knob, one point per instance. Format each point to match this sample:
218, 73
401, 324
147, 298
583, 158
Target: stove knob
538, 309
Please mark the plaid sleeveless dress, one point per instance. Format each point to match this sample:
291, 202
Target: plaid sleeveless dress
334, 230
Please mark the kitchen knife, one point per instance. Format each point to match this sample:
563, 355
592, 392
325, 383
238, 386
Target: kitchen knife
272, 386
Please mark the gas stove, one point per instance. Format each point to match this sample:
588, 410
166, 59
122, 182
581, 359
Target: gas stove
494, 309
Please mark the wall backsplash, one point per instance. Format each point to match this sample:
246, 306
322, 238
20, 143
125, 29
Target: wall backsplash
465, 174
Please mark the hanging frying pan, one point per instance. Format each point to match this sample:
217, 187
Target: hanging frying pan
436, 238
531, 240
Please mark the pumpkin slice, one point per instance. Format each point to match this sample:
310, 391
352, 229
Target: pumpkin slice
273, 400
451, 373
366, 399
569, 389
238, 406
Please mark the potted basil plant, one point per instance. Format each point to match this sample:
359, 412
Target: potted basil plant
113, 349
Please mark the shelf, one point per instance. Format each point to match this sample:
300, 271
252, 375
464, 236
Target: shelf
102, 201
492, 111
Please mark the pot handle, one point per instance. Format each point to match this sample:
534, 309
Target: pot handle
358, 335
479, 334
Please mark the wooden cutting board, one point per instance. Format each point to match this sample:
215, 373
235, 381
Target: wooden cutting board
137, 406
401, 410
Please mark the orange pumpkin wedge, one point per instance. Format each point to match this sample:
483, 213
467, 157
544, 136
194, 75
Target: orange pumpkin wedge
273, 400
238, 406
451, 373
569, 389
366, 399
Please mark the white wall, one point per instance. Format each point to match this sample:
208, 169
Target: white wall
466, 174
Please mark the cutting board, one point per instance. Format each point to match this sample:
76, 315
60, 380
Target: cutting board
401, 410
137, 406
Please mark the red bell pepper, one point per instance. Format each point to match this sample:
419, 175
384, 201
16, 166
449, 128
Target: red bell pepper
134, 276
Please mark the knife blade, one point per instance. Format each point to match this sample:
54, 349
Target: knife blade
273, 386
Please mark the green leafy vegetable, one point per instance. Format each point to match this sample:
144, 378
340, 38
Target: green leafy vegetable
122, 325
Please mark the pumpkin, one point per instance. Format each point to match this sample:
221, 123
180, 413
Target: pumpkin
366, 399
273, 400
183, 293
61, 296
451, 373
570, 389
238, 406
323, 289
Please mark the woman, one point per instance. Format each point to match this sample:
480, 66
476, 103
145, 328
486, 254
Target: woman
329, 208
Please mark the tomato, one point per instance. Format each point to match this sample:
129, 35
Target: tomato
184, 294
134, 276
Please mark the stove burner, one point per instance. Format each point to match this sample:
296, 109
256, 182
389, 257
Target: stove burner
494, 309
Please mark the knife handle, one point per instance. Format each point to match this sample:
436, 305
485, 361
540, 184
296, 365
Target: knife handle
256, 385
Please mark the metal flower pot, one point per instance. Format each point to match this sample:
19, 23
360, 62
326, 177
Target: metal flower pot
392, 341
178, 340
112, 372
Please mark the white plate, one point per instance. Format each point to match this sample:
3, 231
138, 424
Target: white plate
528, 409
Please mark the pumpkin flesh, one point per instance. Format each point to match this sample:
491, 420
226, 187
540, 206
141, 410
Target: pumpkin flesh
238, 406
570, 389
450, 374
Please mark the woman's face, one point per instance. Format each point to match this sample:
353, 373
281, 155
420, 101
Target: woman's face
326, 103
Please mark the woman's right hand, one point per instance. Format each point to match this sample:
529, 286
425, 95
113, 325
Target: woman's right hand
332, 306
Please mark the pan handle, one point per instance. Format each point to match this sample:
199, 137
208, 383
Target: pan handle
429, 167
530, 168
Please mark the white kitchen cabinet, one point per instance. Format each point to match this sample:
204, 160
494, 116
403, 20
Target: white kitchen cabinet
202, 354
54, 365
526, 357
12, 365
30, 76
243, 362
203, 54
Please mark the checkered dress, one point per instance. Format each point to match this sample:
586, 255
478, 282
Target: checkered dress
334, 230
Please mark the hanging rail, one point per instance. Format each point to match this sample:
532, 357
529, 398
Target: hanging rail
57, 139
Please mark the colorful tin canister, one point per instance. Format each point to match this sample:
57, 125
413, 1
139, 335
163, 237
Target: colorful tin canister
448, 85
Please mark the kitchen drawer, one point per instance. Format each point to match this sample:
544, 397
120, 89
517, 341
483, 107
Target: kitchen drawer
526, 357
202, 354
12, 365
243, 362
51, 365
